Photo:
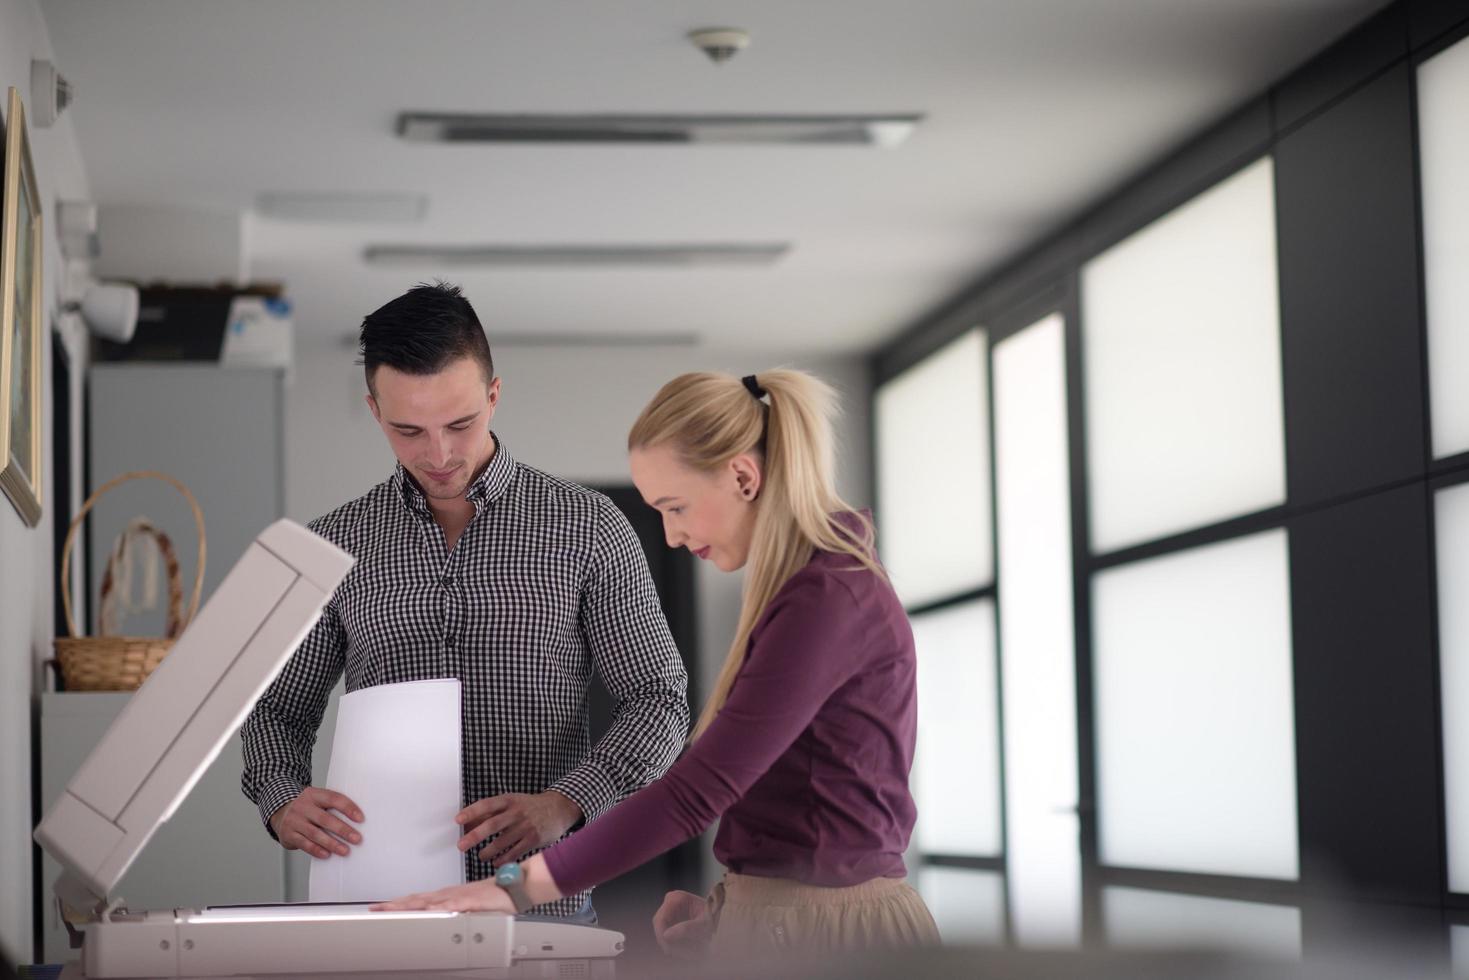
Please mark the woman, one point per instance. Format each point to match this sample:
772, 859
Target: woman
805, 745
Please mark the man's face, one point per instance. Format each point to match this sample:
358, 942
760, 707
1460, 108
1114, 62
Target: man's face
437, 424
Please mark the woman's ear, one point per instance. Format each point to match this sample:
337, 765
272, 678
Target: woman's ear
746, 470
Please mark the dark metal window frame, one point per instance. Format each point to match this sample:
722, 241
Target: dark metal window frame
1047, 279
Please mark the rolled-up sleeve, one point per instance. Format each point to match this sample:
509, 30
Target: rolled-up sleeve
633, 651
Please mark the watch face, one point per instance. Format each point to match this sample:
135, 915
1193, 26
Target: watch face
507, 875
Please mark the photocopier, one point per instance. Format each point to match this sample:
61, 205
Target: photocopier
168, 734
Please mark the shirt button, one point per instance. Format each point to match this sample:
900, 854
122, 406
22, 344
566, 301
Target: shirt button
447, 581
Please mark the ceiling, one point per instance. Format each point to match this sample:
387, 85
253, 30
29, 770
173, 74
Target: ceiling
1035, 108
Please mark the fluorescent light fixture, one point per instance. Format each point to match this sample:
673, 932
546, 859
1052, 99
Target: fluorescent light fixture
352, 208
885, 130
714, 253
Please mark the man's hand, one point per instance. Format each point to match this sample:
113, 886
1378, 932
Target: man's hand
683, 925
307, 823
523, 821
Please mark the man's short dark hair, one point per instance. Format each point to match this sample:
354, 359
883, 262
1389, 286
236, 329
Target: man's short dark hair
422, 331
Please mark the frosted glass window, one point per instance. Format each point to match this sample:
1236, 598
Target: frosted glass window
1136, 917
1037, 638
956, 770
1195, 711
1181, 349
1459, 951
968, 906
1452, 528
933, 482
1443, 140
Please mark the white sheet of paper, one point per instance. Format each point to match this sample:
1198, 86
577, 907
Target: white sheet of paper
396, 754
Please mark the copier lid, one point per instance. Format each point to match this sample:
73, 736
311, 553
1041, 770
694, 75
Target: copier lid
191, 705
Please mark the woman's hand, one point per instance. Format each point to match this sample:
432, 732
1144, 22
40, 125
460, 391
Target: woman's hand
683, 925
477, 896
482, 896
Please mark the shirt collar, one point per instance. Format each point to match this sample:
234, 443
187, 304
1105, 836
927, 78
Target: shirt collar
484, 489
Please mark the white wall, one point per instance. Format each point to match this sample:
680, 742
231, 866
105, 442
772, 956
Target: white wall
180, 245
563, 411
26, 591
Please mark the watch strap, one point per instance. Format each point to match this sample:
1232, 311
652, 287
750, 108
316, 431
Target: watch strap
511, 878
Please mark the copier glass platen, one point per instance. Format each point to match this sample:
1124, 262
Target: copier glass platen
154, 752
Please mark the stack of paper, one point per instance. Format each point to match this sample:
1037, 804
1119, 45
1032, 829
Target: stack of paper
396, 754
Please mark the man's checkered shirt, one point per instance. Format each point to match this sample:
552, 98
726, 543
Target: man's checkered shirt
547, 582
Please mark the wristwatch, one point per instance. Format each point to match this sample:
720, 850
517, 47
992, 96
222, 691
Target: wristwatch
512, 879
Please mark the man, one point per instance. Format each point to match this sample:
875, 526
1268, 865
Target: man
474, 566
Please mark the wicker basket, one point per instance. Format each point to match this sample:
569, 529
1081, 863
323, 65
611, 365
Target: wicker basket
122, 663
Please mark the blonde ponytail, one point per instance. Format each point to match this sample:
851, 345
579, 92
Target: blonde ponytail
709, 419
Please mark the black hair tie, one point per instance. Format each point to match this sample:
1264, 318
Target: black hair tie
753, 386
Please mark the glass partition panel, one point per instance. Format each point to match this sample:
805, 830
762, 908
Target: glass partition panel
1195, 718
1037, 635
1181, 347
933, 480
1443, 153
969, 906
956, 771
1142, 918
1451, 526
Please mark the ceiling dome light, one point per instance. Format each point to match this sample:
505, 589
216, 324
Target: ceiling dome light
720, 43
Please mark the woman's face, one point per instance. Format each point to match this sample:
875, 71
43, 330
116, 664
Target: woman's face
710, 513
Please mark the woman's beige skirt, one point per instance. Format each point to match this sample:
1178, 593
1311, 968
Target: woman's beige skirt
756, 917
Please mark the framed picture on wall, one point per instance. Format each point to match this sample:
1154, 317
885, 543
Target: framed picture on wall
20, 322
